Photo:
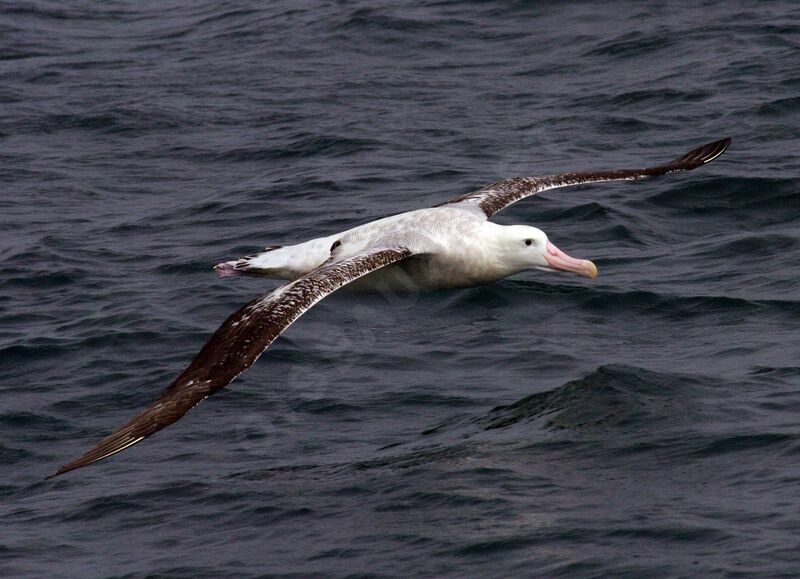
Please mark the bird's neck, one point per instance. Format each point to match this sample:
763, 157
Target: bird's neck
494, 238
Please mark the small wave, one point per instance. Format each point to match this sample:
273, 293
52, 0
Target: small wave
779, 107
777, 372
631, 45
764, 245
719, 193
724, 444
132, 120
12, 455
405, 458
612, 396
130, 504
300, 147
660, 304
377, 20
52, 279
660, 96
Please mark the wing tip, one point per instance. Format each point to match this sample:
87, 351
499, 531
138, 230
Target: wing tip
107, 447
60, 471
75, 464
70, 466
703, 154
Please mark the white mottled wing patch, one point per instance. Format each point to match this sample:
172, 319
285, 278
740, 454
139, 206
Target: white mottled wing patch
499, 195
236, 345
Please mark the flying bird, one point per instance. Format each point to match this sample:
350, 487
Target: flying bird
451, 245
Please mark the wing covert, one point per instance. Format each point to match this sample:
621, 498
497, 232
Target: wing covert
500, 195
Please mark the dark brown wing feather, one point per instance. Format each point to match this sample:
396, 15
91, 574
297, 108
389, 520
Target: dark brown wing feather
235, 346
499, 195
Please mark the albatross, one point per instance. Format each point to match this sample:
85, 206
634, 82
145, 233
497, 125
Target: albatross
451, 245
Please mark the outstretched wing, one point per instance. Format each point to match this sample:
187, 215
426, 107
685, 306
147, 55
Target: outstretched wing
499, 195
235, 346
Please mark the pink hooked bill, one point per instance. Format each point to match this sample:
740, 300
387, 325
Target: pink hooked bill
557, 259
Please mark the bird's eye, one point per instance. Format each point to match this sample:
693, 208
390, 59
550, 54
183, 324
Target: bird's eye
528, 241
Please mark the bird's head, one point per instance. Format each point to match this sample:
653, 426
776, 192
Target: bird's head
527, 247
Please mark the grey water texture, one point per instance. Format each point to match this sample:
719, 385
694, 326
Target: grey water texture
642, 424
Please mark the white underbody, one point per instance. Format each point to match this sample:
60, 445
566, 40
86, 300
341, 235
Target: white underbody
452, 247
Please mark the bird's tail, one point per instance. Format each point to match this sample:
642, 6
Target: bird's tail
282, 262
255, 265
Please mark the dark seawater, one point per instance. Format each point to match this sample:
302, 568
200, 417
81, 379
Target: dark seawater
645, 423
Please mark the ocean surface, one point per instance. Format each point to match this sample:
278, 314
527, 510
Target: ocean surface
646, 423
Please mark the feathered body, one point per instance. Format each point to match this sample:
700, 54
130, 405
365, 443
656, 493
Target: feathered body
452, 248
